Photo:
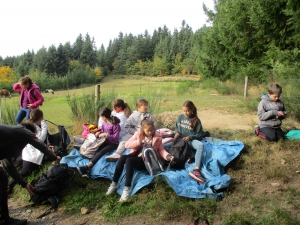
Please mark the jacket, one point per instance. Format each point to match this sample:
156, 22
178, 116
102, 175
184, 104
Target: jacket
135, 144
12, 141
267, 112
34, 96
30, 153
182, 127
133, 123
112, 130
122, 117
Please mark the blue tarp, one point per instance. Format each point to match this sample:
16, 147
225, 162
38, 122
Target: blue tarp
216, 155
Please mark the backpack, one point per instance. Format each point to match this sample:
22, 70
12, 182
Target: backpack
50, 184
91, 145
152, 161
59, 140
32, 94
179, 149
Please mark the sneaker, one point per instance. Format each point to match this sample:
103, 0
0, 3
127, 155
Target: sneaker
196, 175
12, 221
84, 171
112, 188
113, 158
256, 129
126, 194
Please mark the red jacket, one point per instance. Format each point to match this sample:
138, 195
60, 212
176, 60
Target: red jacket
135, 144
34, 90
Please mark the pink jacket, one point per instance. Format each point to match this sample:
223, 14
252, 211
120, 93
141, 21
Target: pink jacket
134, 144
34, 90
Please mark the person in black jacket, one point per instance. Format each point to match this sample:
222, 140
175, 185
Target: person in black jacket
12, 141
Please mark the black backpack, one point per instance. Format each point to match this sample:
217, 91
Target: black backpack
59, 140
50, 184
153, 163
179, 149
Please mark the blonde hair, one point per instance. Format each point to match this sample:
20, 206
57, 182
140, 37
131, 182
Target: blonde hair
146, 122
141, 101
121, 103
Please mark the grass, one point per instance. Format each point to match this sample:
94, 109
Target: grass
250, 198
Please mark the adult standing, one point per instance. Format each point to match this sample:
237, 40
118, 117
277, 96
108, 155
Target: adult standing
30, 97
12, 141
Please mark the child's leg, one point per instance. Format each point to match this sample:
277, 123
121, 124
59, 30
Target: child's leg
198, 146
267, 133
121, 147
103, 149
279, 133
120, 167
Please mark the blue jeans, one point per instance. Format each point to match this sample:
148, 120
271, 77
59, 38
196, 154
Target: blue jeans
22, 113
198, 146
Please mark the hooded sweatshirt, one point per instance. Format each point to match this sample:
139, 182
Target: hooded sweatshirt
267, 112
133, 123
34, 96
184, 129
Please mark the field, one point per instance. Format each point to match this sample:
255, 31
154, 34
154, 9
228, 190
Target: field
265, 176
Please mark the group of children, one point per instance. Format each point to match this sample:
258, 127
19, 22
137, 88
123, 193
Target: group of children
125, 129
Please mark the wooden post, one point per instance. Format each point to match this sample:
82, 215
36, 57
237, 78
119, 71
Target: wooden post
97, 98
246, 87
0, 112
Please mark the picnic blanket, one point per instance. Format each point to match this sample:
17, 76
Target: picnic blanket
216, 155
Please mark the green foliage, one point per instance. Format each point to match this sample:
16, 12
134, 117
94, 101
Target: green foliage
185, 87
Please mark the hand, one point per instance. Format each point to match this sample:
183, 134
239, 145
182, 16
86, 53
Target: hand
57, 159
29, 188
51, 147
186, 139
29, 106
102, 135
176, 135
97, 134
281, 113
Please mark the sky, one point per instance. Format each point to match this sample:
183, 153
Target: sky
33, 24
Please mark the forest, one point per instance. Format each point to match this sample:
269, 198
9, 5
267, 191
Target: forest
259, 39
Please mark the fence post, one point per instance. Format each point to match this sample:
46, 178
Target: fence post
97, 98
0, 112
246, 87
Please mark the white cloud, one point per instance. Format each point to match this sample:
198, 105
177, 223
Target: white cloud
32, 24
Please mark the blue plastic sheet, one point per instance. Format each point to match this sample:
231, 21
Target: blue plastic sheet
216, 155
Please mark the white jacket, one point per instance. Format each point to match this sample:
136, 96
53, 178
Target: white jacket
30, 153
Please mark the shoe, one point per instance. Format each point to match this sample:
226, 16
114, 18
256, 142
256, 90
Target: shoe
126, 194
112, 188
256, 130
12, 221
196, 175
113, 158
84, 171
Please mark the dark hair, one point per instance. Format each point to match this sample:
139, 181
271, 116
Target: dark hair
35, 115
121, 103
141, 101
274, 89
106, 112
147, 122
25, 80
194, 116
29, 126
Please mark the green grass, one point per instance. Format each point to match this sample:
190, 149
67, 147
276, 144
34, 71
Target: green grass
249, 199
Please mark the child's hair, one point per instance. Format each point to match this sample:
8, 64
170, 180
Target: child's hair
106, 112
275, 89
147, 122
122, 104
25, 80
35, 115
141, 101
29, 126
194, 116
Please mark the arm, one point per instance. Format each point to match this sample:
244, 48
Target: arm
263, 114
129, 127
39, 98
158, 146
44, 132
114, 137
17, 87
134, 141
176, 131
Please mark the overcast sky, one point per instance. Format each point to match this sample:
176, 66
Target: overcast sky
32, 24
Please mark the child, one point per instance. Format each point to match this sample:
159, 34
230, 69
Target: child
189, 128
122, 111
133, 161
132, 124
111, 130
32, 157
30, 97
270, 112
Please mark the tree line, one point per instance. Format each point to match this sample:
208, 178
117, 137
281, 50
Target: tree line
258, 39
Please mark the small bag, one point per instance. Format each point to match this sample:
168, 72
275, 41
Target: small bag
152, 161
90, 145
88, 128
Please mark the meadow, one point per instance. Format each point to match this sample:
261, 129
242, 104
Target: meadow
265, 177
